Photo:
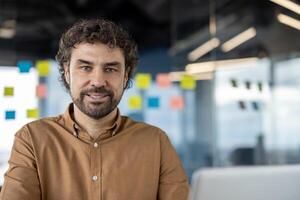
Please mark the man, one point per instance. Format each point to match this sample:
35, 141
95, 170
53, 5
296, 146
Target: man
91, 152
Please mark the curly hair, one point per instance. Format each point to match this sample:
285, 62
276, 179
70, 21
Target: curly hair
97, 30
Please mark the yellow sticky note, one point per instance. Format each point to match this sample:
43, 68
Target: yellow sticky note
135, 103
43, 67
188, 82
8, 91
33, 113
143, 80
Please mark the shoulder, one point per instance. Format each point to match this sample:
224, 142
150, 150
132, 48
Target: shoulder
39, 126
129, 123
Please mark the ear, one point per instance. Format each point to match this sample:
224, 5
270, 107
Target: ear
67, 73
126, 77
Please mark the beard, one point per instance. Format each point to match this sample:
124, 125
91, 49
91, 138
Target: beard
96, 110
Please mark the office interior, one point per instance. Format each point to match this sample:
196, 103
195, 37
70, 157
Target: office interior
220, 77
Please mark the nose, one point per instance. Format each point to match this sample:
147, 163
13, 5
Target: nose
97, 78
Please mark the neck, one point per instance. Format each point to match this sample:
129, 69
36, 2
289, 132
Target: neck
94, 127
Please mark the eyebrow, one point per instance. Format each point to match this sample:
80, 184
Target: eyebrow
81, 61
113, 63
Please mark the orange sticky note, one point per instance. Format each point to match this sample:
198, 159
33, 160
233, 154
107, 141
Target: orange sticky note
143, 80
188, 82
177, 102
33, 113
163, 80
43, 67
135, 103
8, 91
41, 91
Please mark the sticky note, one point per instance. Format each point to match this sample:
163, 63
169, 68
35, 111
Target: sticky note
242, 105
177, 102
24, 66
255, 106
163, 80
135, 102
41, 91
10, 114
248, 85
143, 80
8, 91
188, 82
260, 86
234, 83
33, 113
153, 102
43, 67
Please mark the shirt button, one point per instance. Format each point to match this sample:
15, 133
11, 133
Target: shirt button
95, 144
95, 178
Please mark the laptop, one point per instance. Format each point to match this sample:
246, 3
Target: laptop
247, 183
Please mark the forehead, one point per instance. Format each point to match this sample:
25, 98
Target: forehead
97, 51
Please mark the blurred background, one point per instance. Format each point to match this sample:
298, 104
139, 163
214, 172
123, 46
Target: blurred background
220, 77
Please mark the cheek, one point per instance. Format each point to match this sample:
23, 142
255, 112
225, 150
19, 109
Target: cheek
75, 86
117, 86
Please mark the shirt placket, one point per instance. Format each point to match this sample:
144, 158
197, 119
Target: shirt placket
95, 170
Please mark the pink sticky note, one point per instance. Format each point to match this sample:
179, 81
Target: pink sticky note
41, 91
177, 102
163, 80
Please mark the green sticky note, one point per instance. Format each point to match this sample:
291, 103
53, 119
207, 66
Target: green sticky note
43, 68
188, 82
143, 80
8, 91
33, 113
135, 103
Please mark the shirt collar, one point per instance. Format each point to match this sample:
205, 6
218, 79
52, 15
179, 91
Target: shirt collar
74, 127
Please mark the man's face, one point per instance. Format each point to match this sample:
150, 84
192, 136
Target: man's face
97, 78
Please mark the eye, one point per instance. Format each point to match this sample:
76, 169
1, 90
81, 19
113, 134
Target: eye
86, 68
110, 69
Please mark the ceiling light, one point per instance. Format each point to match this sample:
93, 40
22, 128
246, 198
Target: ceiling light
239, 39
204, 49
289, 5
289, 21
7, 33
204, 67
209, 67
203, 76
177, 76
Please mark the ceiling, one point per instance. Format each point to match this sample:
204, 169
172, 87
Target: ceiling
179, 25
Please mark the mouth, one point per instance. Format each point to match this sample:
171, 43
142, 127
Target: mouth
97, 96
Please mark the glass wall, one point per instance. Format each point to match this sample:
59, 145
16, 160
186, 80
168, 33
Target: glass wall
286, 101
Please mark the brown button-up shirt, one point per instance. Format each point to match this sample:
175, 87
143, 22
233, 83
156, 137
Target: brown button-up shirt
53, 159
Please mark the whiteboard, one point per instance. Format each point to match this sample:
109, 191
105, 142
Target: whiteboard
24, 98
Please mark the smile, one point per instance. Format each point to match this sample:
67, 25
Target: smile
97, 96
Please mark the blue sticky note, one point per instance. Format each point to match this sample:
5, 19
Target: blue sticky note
153, 102
10, 114
24, 66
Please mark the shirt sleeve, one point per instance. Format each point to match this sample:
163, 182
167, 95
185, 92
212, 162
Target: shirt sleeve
21, 179
173, 184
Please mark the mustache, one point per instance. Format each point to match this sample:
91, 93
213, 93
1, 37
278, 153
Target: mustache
100, 90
